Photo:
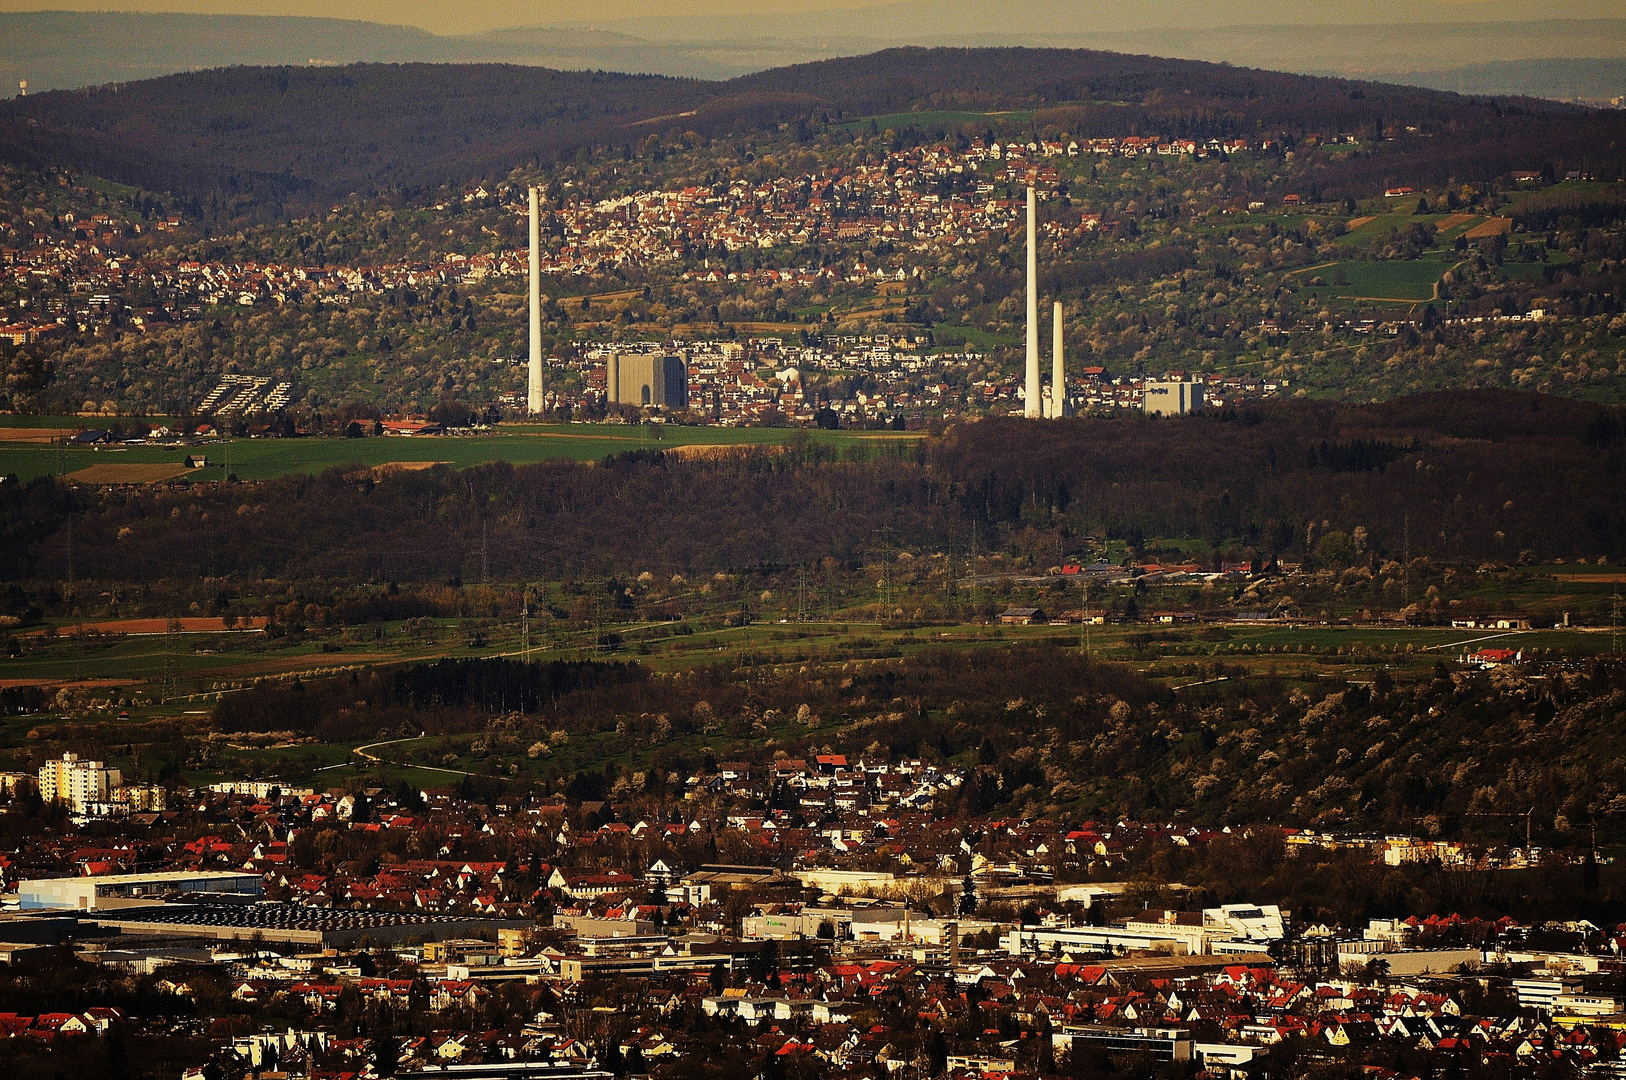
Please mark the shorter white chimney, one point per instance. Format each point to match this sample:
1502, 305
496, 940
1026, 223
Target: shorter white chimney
1058, 377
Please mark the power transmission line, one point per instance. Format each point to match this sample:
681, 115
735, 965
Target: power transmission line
525, 621
172, 646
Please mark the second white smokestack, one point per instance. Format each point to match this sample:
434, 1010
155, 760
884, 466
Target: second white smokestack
533, 397
1058, 375
1033, 407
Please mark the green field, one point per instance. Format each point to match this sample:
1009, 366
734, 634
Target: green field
202, 664
1380, 225
264, 459
1532, 271
1405, 281
162, 676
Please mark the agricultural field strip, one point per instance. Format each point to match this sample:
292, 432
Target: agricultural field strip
755, 639
263, 459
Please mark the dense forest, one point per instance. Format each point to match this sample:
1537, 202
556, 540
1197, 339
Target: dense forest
270, 135
1466, 477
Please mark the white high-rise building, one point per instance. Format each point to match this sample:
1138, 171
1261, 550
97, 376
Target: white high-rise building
77, 783
533, 397
1032, 405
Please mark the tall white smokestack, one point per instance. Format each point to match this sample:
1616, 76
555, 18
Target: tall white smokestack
1058, 376
533, 399
1034, 407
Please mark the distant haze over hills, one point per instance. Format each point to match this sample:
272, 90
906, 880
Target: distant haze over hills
1471, 48
875, 21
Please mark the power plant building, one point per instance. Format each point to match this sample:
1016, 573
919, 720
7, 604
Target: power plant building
647, 379
1171, 398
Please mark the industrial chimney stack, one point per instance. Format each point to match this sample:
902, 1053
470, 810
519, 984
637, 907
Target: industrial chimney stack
1058, 375
1033, 406
533, 398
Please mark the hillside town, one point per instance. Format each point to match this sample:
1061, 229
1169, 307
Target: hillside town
918, 198
775, 258
812, 914
897, 198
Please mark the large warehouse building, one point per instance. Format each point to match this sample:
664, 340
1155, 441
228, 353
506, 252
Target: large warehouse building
104, 891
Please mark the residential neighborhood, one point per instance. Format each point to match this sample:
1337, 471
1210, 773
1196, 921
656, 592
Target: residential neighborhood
817, 913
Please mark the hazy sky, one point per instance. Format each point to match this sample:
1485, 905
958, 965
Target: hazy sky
445, 16
475, 16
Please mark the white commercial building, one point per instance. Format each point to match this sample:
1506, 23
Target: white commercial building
1245, 922
1086, 941
1231, 928
1578, 1003
1543, 993
260, 789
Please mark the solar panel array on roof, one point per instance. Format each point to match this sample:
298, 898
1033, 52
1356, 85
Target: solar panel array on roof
277, 915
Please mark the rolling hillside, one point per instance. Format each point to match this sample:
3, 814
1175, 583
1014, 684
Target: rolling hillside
316, 133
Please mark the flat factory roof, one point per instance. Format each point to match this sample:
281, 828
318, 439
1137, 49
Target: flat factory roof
277, 921
158, 877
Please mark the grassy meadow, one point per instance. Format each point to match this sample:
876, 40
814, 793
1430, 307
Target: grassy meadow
520, 444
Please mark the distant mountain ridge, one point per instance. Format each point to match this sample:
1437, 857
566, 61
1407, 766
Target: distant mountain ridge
66, 49
312, 133
1559, 78
58, 50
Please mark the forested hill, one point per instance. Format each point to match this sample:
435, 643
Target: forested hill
314, 133
1463, 477
322, 132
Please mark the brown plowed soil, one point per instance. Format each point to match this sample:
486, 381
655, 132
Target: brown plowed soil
131, 473
1495, 226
